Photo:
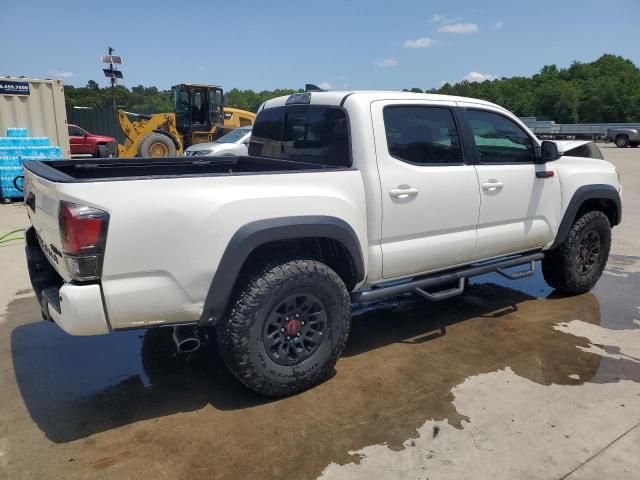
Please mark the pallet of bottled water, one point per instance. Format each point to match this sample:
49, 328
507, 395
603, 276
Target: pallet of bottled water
15, 149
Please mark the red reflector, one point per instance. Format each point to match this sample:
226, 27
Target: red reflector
82, 228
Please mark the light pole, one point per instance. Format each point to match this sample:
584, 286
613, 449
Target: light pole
112, 73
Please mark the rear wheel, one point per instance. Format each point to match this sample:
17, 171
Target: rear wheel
622, 141
287, 327
157, 145
577, 264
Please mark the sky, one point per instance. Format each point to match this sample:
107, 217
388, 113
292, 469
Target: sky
263, 45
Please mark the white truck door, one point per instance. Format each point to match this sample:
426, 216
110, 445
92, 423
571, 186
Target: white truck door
430, 196
520, 204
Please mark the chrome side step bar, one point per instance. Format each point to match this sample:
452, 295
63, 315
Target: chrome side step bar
419, 285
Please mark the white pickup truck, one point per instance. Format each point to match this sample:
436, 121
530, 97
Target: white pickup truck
344, 197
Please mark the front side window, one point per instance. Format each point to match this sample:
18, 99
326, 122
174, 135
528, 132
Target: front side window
181, 99
76, 132
310, 134
422, 135
499, 139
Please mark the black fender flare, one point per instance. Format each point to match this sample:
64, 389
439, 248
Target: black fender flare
261, 232
581, 195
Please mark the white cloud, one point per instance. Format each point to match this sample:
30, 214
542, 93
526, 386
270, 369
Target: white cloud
478, 77
386, 62
325, 86
459, 28
63, 74
497, 26
418, 43
442, 20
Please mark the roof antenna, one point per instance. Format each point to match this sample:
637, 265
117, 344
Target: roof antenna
310, 87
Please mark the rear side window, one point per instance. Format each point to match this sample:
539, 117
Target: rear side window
422, 135
499, 139
309, 134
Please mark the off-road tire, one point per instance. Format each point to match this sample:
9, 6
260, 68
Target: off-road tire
242, 335
561, 267
145, 149
622, 141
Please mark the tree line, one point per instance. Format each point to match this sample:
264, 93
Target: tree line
606, 90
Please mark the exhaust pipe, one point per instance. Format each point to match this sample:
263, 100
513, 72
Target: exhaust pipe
186, 339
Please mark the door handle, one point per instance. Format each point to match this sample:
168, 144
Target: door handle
492, 186
403, 192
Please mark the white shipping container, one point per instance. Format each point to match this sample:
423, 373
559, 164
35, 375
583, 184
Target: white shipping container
42, 111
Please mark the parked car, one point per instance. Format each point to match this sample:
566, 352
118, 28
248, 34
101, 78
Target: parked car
344, 197
83, 142
624, 137
234, 143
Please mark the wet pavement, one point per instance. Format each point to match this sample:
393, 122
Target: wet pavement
415, 377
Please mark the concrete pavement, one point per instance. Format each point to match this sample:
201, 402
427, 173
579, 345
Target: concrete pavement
524, 384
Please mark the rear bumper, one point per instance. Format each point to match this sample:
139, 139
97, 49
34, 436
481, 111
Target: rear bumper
77, 309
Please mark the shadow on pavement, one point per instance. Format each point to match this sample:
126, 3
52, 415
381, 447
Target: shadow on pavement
397, 372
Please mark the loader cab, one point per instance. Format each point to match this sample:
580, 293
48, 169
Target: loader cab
199, 109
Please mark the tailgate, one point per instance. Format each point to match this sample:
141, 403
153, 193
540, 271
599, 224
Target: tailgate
41, 200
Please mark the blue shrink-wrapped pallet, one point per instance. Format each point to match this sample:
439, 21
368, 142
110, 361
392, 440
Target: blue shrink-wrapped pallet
15, 149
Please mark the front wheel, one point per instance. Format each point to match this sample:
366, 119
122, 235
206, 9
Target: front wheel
157, 145
576, 265
287, 327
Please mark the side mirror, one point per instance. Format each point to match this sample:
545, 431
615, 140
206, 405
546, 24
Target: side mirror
549, 151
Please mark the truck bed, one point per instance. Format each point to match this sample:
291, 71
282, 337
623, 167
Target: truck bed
100, 170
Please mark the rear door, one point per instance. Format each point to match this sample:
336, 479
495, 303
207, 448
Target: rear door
430, 198
520, 208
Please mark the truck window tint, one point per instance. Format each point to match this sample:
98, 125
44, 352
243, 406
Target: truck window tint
422, 135
499, 139
302, 134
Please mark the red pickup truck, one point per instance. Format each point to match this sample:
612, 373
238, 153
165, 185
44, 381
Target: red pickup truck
83, 142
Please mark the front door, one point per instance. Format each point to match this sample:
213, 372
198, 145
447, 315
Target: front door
430, 198
77, 140
520, 208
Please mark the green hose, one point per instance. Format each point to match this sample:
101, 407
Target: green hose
6, 237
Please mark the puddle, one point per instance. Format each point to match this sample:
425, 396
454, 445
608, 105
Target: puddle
399, 375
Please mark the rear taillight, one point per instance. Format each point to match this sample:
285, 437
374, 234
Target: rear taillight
83, 231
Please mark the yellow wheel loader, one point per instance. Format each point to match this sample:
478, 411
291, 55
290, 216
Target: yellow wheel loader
199, 116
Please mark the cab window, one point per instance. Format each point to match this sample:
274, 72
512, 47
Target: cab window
499, 139
422, 135
309, 134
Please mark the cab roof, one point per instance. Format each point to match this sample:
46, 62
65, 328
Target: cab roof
203, 85
339, 98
